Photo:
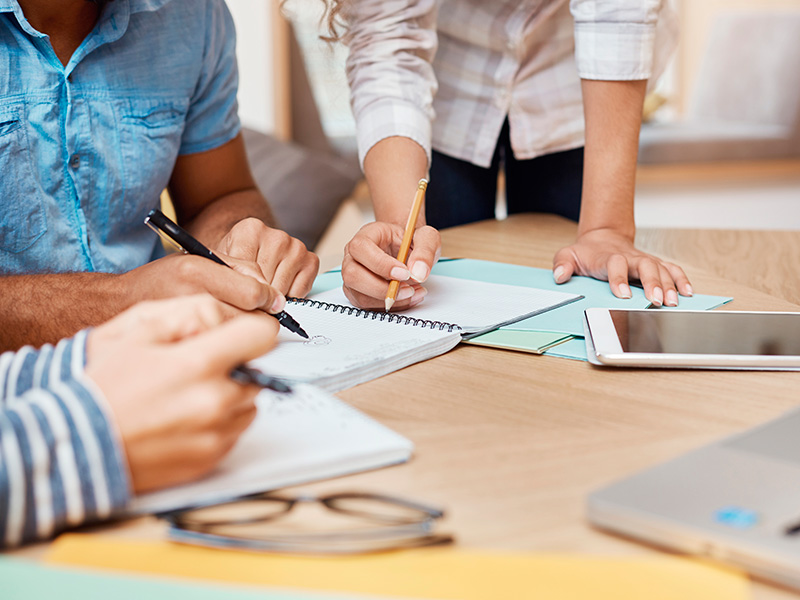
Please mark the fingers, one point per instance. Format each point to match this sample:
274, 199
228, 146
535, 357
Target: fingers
245, 267
232, 343
679, 277
658, 286
425, 251
369, 265
607, 254
164, 321
304, 279
564, 265
618, 276
242, 291
375, 247
280, 260
668, 286
365, 289
295, 274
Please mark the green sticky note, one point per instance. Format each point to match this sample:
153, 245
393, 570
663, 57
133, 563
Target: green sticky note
574, 349
524, 341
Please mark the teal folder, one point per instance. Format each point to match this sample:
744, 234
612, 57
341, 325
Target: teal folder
566, 320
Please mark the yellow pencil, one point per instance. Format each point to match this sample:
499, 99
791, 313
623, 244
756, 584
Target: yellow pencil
405, 246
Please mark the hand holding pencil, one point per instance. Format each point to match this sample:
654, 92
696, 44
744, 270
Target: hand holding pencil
405, 246
387, 262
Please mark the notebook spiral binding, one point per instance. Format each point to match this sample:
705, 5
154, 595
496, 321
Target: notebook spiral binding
376, 315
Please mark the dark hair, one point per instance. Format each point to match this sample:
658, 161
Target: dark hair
331, 17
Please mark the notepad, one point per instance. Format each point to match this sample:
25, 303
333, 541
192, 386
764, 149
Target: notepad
348, 346
296, 438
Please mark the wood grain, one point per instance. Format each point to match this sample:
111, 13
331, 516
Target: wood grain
511, 443
765, 260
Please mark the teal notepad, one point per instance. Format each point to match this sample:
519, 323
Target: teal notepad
24, 580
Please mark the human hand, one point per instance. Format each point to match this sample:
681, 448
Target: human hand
369, 264
242, 287
164, 368
611, 256
280, 260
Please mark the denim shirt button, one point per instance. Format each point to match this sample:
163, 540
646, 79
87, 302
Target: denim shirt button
75, 162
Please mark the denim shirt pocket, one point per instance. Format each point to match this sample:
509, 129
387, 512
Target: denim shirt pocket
22, 214
150, 137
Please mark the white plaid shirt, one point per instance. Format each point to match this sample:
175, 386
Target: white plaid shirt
521, 59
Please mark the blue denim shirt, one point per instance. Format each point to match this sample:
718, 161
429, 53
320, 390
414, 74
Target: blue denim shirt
86, 149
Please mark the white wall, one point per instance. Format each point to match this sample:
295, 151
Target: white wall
254, 50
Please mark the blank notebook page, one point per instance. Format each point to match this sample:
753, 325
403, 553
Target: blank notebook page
296, 438
475, 306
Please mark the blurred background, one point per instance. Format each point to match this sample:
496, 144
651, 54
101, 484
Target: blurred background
720, 148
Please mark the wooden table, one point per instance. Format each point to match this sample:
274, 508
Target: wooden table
512, 443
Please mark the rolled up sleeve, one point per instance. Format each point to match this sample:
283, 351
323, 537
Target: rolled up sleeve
389, 69
615, 40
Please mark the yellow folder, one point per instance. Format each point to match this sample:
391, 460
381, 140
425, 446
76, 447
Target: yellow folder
442, 574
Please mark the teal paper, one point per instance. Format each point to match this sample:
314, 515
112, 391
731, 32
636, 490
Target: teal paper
326, 281
569, 318
23, 580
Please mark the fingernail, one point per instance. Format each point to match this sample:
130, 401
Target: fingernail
278, 304
672, 298
687, 290
419, 272
658, 296
625, 291
558, 274
405, 292
399, 274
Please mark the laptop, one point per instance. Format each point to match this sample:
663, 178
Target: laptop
736, 501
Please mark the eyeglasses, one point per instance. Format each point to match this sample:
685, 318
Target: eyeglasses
349, 523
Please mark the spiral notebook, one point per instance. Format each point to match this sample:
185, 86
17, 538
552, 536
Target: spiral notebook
348, 346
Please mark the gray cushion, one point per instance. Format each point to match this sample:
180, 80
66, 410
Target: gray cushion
303, 187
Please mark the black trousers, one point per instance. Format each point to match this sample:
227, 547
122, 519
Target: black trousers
460, 192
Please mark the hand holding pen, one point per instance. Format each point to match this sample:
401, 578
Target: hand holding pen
181, 238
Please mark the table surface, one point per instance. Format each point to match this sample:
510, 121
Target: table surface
511, 443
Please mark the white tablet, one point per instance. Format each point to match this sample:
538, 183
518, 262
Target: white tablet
694, 339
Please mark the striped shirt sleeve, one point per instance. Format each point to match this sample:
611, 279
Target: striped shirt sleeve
615, 39
60, 462
391, 47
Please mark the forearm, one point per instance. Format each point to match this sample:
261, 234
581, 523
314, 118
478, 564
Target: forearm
393, 167
61, 463
41, 309
219, 216
613, 114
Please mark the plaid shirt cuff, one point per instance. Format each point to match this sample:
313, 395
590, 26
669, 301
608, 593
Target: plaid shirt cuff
392, 117
614, 51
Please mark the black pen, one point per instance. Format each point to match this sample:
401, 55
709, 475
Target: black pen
163, 226
249, 375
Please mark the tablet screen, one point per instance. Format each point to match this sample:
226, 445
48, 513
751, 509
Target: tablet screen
674, 332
